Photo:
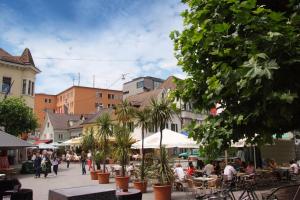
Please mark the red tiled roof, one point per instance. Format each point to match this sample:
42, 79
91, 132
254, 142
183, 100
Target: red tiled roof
24, 59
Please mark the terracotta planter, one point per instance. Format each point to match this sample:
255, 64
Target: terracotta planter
162, 192
122, 182
140, 185
103, 178
94, 175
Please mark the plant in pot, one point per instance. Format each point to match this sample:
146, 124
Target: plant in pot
123, 142
139, 183
89, 142
143, 120
161, 113
105, 131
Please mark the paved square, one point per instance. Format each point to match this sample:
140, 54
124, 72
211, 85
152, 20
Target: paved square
72, 178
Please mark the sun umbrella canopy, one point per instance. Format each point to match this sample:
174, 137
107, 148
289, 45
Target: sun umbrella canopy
171, 139
8, 141
46, 146
73, 141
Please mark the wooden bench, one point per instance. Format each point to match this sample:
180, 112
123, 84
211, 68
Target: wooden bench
290, 192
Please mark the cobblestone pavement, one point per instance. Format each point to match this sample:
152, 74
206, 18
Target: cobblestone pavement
72, 177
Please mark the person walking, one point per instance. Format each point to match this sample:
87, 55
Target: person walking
89, 159
55, 163
83, 162
68, 159
46, 165
37, 165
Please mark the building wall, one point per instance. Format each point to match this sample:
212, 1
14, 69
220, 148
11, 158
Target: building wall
61, 135
130, 88
47, 132
18, 73
282, 151
43, 102
88, 100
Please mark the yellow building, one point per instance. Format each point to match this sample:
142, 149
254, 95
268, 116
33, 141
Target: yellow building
17, 76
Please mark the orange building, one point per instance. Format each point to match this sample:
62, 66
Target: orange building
77, 100
43, 102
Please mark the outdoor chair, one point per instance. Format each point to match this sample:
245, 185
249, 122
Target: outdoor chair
192, 191
290, 192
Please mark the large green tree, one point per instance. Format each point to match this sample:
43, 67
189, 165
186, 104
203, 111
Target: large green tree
243, 55
16, 117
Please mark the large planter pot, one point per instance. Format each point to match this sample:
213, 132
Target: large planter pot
103, 178
94, 175
162, 192
140, 185
122, 182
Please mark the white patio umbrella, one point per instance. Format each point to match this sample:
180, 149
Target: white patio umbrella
73, 141
46, 146
171, 139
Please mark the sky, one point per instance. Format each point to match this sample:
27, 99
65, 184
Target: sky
96, 38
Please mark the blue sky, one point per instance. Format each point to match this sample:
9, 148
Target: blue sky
109, 37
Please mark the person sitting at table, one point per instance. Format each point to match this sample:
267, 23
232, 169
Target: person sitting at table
250, 169
217, 167
209, 168
191, 169
294, 168
272, 164
237, 164
229, 172
200, 164
179, 173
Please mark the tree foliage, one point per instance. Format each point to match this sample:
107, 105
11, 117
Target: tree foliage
105, 132
16, 117
245, 56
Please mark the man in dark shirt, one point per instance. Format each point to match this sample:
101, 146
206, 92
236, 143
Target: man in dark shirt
37, 165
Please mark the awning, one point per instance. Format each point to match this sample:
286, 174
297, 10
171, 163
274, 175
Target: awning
171, 139
42, 141
8, 141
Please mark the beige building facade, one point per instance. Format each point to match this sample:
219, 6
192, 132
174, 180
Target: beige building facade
18, 76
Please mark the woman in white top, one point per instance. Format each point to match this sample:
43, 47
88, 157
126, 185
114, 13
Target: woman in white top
179, 173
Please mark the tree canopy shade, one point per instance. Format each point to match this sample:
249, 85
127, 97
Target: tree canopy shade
16, 117
245, 56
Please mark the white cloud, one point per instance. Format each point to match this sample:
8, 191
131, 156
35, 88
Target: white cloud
134, 45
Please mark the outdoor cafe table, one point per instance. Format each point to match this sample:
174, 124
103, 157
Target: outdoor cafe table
204, 180
94, 192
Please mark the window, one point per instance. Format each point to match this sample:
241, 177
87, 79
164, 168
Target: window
60, 136
48, 124
108, 106
24, 86
111, 96
32, 88
140, 84
6, 84
98, 105
126, 92
98, 94
49, 100
156, 84
167, 125
113, 105
174, 127
29, 87
46, 100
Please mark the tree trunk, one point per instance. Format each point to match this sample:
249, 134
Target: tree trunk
105, 147
143, 156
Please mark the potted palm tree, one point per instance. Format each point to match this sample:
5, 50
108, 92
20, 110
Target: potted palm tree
143, 120
161, 112
123, 142
89, 142
105, 131
125, 114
